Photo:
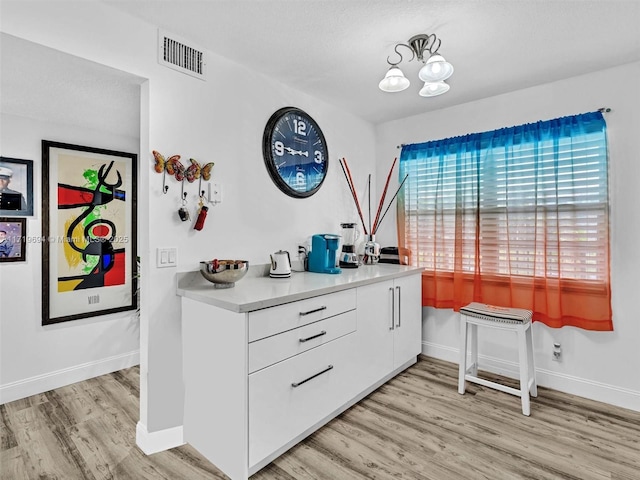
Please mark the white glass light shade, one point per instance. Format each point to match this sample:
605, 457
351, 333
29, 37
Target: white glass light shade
394, 81
436, 69
433, 89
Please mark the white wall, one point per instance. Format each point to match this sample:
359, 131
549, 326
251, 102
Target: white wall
599, 365
221, 120
36, 358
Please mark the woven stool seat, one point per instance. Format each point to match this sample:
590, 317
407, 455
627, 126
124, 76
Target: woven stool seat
498, 314
517, 320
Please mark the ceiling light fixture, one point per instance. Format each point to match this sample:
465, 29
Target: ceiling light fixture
434, 72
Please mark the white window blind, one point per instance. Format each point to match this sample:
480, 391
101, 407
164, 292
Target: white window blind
510, 203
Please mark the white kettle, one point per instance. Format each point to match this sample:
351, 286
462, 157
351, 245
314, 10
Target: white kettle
280, 265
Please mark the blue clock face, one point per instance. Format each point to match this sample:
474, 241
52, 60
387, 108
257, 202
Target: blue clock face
295, 152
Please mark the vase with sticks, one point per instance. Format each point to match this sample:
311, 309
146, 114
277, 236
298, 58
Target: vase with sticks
371, 253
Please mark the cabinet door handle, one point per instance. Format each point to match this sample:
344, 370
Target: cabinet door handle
314, 336
399, 308
297, 384
302, 314
393, 309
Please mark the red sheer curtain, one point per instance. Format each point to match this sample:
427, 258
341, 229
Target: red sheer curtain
516, 217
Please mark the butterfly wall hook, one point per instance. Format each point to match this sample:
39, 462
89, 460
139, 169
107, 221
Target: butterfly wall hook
195, 171
172, 166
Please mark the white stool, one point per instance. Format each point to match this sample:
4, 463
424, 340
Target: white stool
514, 319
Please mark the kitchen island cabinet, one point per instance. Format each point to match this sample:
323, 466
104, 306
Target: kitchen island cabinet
269, 361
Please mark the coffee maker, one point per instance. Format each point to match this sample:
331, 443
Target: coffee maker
322, 257
348, 256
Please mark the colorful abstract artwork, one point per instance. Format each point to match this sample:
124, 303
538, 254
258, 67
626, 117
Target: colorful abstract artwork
89, 241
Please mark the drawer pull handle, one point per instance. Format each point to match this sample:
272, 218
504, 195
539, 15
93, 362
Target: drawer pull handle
302, 314
399, 308
393, 310
314, 336
297, 384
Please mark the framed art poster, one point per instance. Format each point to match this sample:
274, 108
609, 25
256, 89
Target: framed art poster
16, 187
89, 232
12, 239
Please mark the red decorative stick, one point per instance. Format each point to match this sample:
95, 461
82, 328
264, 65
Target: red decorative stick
384, 194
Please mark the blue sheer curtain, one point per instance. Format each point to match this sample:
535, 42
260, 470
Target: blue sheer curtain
514, 217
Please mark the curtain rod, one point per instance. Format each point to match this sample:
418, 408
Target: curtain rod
601, 110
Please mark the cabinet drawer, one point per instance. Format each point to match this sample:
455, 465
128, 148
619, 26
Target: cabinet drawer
263, 323
275, 348
279, 412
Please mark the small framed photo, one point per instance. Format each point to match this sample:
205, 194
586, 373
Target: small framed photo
16, 187
89, 232
13, 232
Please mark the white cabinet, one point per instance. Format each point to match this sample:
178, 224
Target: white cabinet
275, 348
270, 321
407, 317
259, 381
290, 397
389, 325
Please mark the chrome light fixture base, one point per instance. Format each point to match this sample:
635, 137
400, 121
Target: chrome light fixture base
436, 70
422, 43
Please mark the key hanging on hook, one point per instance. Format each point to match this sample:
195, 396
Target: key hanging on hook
183, 213
202, 197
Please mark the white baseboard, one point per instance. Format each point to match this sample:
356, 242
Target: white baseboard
154, 442
60, 378
601, 392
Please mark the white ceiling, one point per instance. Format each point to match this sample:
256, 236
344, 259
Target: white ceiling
336, 50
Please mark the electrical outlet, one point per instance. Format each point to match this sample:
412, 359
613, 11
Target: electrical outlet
557, 352
303, 256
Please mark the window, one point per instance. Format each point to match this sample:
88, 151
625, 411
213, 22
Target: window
514, 217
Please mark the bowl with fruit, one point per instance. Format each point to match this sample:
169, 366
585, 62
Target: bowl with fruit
224, 273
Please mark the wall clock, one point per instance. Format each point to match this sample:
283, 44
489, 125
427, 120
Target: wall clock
295, 152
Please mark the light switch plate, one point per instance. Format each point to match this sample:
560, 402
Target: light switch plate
166, 257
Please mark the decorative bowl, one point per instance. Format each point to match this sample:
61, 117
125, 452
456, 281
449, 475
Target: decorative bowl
224, 273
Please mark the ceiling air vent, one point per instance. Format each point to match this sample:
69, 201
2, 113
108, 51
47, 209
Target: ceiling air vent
173, 52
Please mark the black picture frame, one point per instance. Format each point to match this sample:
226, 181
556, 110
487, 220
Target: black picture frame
89, 234
13, 234
18, 201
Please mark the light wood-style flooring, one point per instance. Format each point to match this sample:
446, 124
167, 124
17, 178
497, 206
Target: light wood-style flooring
414, 427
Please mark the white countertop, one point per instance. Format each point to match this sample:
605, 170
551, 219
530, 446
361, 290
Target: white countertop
258, 291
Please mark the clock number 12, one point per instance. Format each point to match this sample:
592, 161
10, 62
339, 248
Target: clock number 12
299, 127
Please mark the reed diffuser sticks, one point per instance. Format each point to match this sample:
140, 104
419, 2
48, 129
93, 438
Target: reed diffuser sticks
376, 222
378, 218
392, 199
347, 176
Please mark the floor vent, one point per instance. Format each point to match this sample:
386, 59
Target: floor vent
173, 52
